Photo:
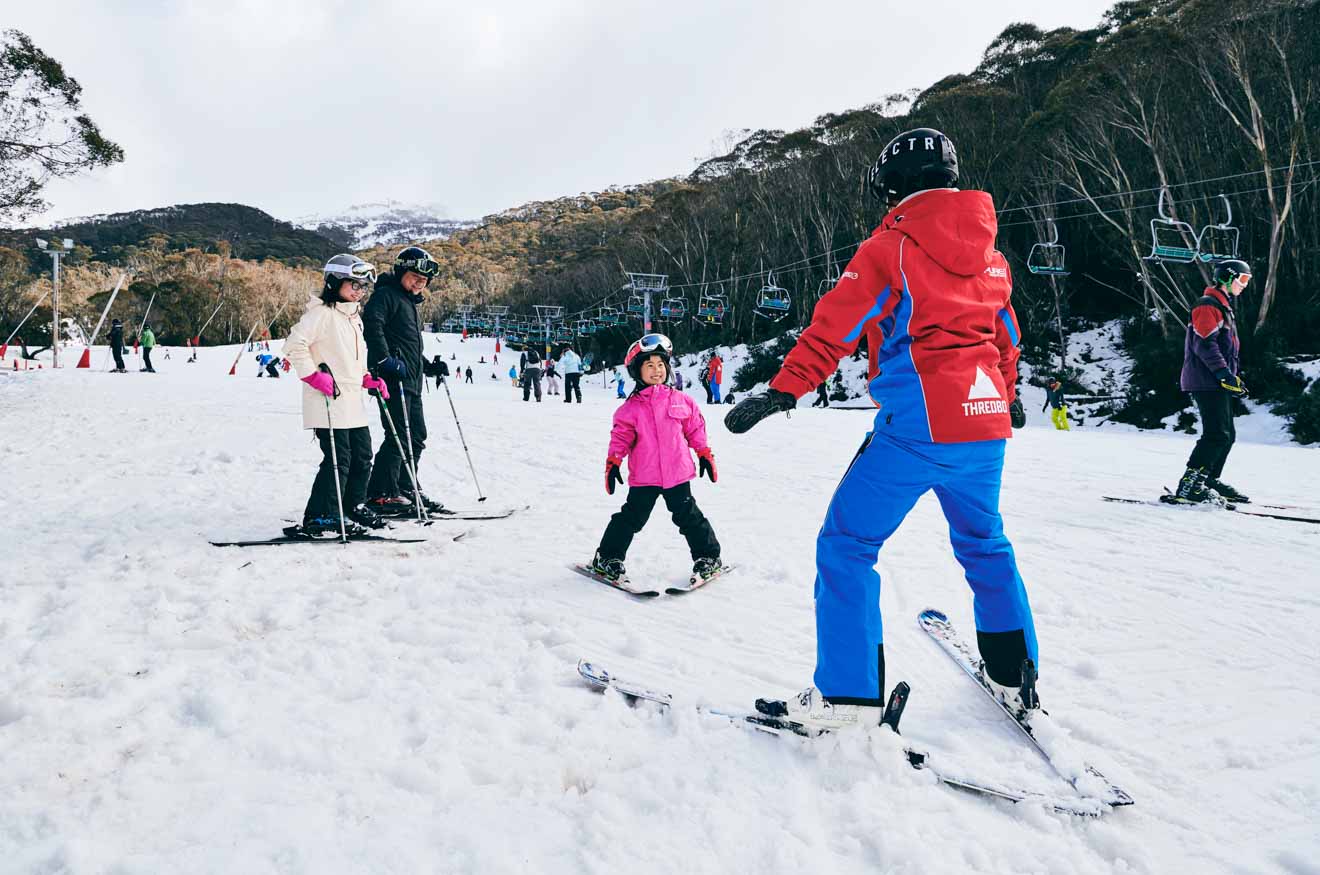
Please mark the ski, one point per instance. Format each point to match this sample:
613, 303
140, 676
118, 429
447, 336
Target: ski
328, 539
601, 679
1234, 508
1085, 778
696, 581
622, 586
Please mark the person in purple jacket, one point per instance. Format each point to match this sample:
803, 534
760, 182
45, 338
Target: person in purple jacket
1210, 373
658, 427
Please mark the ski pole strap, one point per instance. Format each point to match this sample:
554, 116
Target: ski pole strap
334, 384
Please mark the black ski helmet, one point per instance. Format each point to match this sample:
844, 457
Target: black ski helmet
1230, 269
914, 160
417, 260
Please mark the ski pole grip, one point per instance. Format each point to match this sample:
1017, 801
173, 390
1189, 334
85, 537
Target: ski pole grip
325, 369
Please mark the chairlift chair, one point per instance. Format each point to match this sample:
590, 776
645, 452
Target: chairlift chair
826, 285
1218, 242
1048, 259
585, 327
711, 307
636, 305
608, 317
1169, 236
673, 308
773, 301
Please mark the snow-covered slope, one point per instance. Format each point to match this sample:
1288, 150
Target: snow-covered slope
387, 223
166, 706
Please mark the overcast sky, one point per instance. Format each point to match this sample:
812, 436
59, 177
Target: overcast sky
309, 106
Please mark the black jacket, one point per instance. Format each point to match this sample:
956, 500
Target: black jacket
117, 338
392, 328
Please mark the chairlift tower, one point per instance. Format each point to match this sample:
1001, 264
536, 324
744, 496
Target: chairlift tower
55, 255
498, 312
648, 285
545, 314
463, 310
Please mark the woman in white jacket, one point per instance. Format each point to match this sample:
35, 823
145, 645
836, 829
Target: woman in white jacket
330, 334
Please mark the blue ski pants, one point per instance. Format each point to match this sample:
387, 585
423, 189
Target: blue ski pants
878, 490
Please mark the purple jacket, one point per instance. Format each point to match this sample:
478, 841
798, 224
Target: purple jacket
1211, 344
655, 428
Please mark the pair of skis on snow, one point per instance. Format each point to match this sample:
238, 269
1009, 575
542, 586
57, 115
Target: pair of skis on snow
1097, 793
643, 591
1167, 500
330, 538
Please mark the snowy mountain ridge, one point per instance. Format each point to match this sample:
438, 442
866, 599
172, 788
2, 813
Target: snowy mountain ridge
384, 223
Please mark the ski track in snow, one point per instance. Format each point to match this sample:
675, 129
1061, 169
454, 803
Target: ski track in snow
169, 706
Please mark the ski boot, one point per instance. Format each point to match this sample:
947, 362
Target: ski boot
1021, 700
810, 708
1226, 492
390, 506
707, 567
328, 524
367, 517
610, 569
1191, 489
431, 506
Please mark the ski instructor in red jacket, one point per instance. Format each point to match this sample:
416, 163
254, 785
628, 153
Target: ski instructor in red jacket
930, 293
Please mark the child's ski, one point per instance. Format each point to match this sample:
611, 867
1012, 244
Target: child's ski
696, 581
623, 585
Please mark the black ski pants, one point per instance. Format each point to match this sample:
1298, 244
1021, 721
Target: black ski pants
692, 523
1217, 432
572, 386
710, 396
146, 359
119, 357
353, 450
531, 377
389, 477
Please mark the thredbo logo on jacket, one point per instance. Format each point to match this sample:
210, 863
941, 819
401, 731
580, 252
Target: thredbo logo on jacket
979, 397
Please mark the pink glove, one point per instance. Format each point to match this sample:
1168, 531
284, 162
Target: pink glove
321, 382
371, 383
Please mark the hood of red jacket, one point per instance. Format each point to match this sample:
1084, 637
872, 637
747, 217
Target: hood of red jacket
955, 228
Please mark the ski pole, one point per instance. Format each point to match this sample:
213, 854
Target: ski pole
412, 463
394, 432
334, 454
462, 440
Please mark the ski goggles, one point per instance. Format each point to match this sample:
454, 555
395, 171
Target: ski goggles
649, 343
424, 266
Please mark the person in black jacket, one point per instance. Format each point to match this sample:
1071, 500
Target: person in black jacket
530, 363
394, 353
117, 345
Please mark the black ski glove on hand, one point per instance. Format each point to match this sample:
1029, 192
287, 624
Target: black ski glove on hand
612, 475
1016, 414
706, 465
750, 411
1231, 383
394, 368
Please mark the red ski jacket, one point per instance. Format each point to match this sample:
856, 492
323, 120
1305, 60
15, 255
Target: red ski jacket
931, 294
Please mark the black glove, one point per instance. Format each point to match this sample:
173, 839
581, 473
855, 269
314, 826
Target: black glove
393, 368
1016, 414
1231, 383
612, 475
752, 410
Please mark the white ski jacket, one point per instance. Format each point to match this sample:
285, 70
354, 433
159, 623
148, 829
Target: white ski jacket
331, 335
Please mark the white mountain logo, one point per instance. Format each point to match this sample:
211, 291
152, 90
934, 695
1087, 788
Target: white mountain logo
984, 387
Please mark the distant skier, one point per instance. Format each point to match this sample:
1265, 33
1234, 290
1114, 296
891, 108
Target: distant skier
468, 374
438, 369
330, 333
530, 365
551, 378
148, 344
655, 429
1210, 373
267, 365
513, 376
931, 294
678, 380
394, 350
704, 378
571, 366
716, 376
116, 346
1054, 398
822, 394
617, 379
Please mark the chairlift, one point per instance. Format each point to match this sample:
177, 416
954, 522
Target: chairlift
712, 306
773, 301
1169, 236
585, 327
1218, 242
673, 309
563, 334
826, 285
1048, 259
608, 317
636, 305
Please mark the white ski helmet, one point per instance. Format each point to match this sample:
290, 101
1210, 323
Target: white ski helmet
346, 267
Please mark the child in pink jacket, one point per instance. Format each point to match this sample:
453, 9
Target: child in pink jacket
656, 426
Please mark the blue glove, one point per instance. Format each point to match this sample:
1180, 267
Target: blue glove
393, 368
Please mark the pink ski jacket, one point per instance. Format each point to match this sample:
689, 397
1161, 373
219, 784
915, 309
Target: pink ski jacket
655, 428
